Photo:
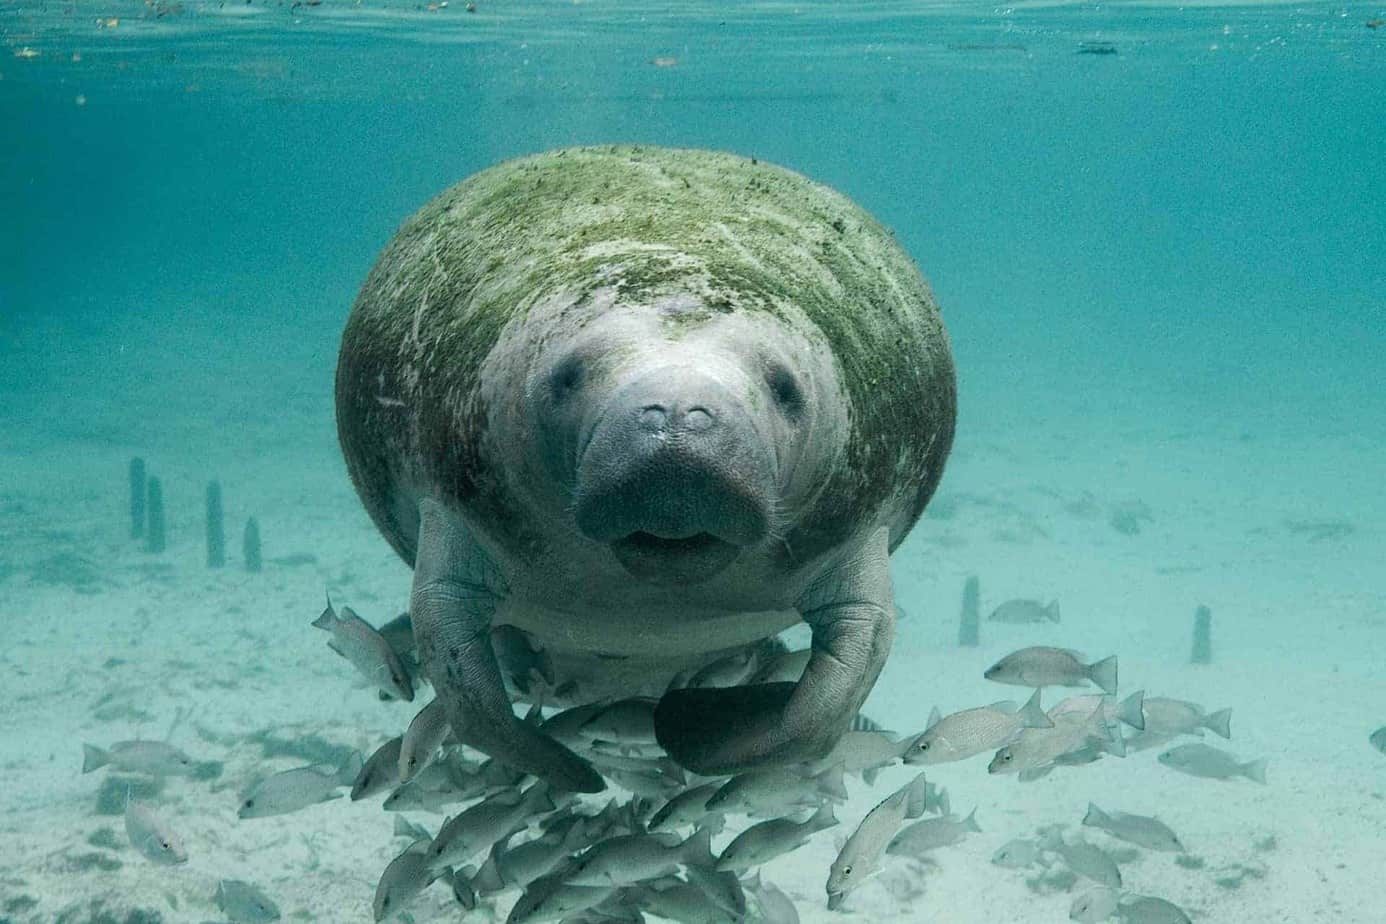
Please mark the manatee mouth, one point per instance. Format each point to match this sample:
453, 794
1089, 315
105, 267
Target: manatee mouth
674, 560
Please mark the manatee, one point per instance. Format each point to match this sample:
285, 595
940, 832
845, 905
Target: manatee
650, 407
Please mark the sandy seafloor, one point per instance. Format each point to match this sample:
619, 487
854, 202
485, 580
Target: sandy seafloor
93, 624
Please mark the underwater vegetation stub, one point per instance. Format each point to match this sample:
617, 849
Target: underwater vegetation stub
137, 489
1202, 636
155, 540
216, 527
968, 631
250, 546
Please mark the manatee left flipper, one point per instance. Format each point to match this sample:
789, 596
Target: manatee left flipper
851, 612
453, 599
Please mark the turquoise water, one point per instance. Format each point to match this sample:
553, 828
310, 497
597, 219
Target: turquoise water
1156, 235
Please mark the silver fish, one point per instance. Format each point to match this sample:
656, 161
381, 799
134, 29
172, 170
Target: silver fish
631, 858
403, 879
356, 640
406, 828
1378, 739
687, 808
625, 721
973, 731
1211, 763
761, 843
151, 836
1095, 905
518, 866
423, 739
551, 899
299, 788
1020, 853
1169, 717
1036, 749
477, 828
733, 670
1085, 859
151, 758
1141, 830
774, 906
932, 833
1130, 711
778, 791
1025, 611
864, 753
244, 903
722, 887
1146, 909
783, 666
380, 771
1042, 666
682, 902
566, 727
862, 852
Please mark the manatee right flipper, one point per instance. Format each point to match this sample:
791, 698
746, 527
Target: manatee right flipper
452, 602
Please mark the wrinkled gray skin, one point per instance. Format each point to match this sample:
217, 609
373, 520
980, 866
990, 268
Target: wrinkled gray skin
649, 406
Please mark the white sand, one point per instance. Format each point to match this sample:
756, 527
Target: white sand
1299, 626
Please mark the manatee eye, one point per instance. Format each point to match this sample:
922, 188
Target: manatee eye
785, 389
566, 377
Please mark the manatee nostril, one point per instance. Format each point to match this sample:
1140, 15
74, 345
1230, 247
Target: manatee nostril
652, 417
697, 419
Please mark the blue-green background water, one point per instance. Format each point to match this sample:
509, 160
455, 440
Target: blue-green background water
1163, 271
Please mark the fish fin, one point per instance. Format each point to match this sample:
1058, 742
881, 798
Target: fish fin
943, 803
869, 775
697, 850
94, 758
328, 617
1116, 745
970, 822
823, 818
1052, 611
1256, 770
350, 769
918, 800
1104, 674
1032, 713
538, 799
1132, 710
1095, 816
1031, 774
830, 782
934, 718
1220, 723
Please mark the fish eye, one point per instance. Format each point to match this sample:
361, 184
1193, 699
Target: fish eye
923, 745
846, 870
249, 803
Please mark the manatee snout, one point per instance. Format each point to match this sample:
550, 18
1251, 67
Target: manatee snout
675, 477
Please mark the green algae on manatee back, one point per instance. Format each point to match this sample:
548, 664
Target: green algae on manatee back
736, 233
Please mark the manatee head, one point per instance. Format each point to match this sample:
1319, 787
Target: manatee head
678, 436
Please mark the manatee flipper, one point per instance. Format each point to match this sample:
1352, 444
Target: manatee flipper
452, 602
851, 613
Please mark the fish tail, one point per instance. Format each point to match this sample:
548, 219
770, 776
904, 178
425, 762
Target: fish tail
823, 818
697, 850
539, 800
830, 782
328, 617
1104, 674
1220, 723
1256, 770
94, 758
1052, 611
350, 768
1117, 745
869, 775
1032, 713
970, 822
1132, 710
917, 802
1095, 818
